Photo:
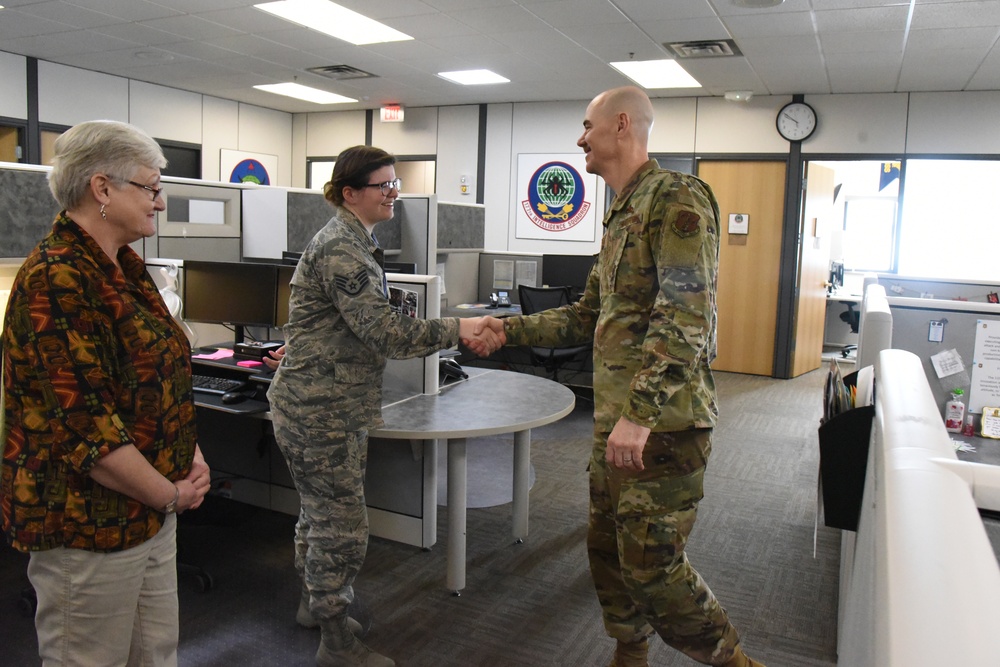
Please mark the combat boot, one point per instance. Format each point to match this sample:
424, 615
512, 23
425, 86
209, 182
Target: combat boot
631, 654
740, 659
305, 618
340, 648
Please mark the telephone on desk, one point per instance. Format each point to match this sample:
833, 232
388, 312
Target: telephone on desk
449, 368
501, 300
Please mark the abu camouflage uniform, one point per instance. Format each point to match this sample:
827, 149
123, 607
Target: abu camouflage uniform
649, 307
327, 394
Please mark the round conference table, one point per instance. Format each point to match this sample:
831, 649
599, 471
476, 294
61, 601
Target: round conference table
489, 402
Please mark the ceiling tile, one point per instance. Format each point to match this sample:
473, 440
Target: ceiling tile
956, 15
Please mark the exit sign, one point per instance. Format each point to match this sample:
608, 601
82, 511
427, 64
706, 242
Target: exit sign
392, 114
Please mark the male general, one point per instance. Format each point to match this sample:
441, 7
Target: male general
649, 308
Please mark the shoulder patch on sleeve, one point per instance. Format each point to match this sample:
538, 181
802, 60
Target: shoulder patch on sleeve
351, 285
685, 224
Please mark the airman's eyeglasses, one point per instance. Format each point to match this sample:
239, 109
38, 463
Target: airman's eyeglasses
387, 187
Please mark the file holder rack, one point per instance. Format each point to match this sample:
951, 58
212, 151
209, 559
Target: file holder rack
843, 459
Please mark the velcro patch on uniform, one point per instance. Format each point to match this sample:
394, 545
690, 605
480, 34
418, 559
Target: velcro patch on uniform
686, 224
352, 285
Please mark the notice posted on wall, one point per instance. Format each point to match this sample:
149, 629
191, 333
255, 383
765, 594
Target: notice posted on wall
985, 390
402, 301
503, 274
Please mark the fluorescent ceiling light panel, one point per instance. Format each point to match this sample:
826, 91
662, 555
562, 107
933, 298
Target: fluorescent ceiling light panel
656, 73
300, 92
474, 77
334, 20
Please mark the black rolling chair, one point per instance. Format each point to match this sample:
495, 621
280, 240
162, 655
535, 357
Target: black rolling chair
853, 319
535, 299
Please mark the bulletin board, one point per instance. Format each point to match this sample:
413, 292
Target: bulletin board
911, 329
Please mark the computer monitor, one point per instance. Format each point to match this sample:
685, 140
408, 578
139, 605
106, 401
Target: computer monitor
836, 275
235, 293
284, 294
571, 270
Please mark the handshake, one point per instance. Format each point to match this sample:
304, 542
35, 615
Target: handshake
482, 335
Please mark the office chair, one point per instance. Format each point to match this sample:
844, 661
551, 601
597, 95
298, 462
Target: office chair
853, 319
535, 299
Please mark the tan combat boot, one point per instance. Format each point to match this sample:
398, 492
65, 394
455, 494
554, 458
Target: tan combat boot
305, 618
631, 654
740, 659
340, 648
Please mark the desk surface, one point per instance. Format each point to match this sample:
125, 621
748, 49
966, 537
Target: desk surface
844, 297
987, 449
490, 402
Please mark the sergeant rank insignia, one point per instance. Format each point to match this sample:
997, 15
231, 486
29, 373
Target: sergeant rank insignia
352, 285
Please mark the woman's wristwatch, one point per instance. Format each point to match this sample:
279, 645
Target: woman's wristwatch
171, 507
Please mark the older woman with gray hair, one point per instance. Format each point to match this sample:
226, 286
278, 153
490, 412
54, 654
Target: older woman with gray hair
99, 450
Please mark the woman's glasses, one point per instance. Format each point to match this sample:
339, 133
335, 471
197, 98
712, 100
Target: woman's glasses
387, 187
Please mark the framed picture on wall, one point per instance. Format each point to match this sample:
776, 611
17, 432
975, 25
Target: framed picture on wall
244, 167
555, 198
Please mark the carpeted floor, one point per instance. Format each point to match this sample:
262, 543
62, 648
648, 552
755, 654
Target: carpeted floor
530, 604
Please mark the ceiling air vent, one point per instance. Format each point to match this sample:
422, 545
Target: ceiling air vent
341, 72
712, 48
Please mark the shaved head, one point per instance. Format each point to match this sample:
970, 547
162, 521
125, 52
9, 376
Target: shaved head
629, 100
615, 136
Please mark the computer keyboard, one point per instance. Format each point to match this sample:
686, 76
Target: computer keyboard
214, 385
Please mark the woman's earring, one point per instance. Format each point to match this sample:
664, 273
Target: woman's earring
103, 214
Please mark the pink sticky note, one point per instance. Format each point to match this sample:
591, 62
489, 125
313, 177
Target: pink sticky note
223, 353
249, 363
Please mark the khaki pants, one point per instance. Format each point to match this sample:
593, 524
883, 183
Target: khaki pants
108, 609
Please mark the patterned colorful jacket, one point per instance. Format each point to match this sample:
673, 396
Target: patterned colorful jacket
93, 361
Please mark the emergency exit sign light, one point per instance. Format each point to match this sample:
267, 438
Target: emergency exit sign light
392, 114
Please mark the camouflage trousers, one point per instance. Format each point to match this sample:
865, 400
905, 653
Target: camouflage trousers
331, 536
639, 526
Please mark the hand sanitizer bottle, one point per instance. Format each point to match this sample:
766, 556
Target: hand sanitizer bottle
954, 412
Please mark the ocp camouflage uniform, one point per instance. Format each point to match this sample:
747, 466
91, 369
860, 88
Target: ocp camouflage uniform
649, 307
327, 393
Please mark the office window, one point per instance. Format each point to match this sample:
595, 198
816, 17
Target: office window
869, 233
418, 174
947, 227
318, 172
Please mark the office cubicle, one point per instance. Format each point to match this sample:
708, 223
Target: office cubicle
504, 271
956, 323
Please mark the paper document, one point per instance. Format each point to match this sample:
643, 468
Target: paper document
947, 363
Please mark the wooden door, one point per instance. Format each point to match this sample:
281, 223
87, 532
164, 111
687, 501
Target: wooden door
748, 263
814, 264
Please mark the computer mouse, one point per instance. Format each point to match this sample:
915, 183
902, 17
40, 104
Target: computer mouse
233, 397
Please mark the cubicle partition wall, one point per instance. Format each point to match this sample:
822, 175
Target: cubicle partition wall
923, 585
201, 221
874, 327
955, 322
504, 271
27, 207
